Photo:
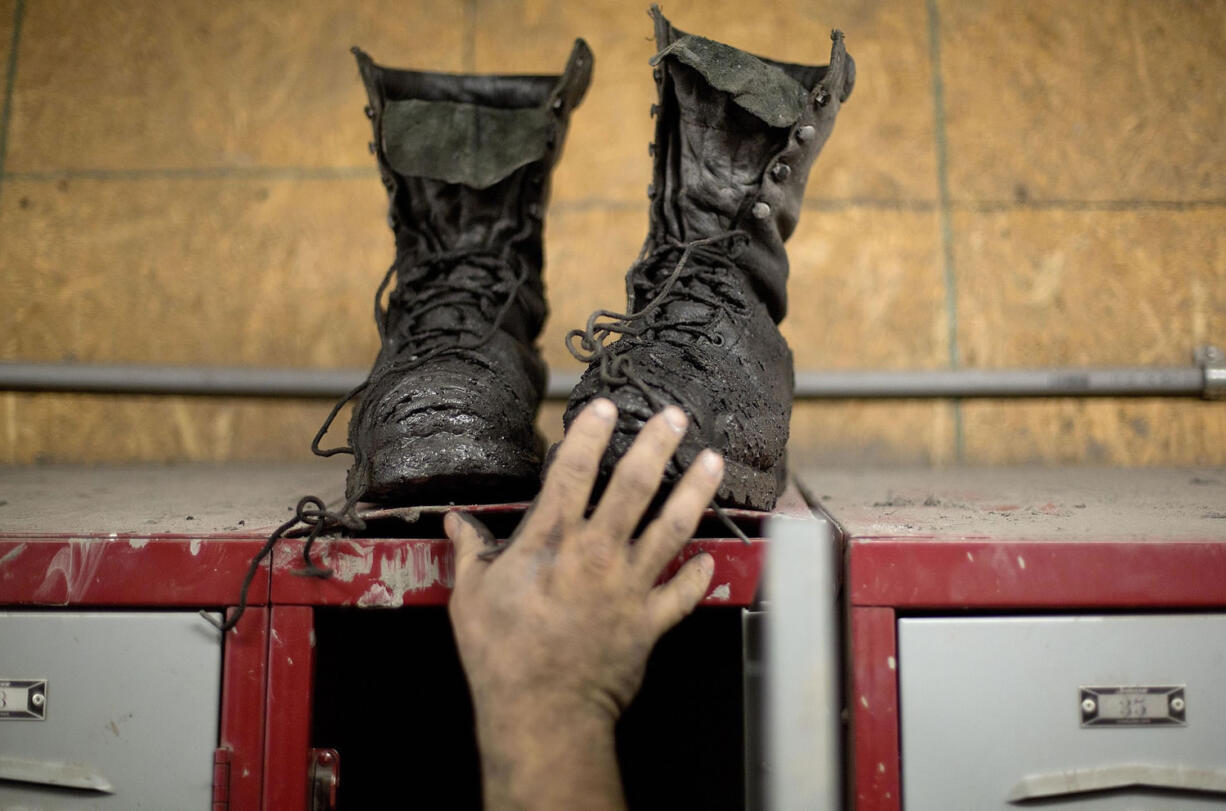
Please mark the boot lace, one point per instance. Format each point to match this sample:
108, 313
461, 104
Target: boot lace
401, 323
432, 284
698, 274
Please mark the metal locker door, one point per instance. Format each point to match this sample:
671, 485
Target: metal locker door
108, 710
1067, 712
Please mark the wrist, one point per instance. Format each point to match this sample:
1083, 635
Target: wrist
542, 711
546, 751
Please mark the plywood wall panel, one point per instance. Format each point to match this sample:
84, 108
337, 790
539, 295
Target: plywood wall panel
142, 84
1107, 288
866, 290
883, 146
7, 21
226, 271
51, 428
1145, 431
190, 184
1110, 100
859, 433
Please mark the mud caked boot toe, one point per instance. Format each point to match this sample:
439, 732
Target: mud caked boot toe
448, 411
735, 138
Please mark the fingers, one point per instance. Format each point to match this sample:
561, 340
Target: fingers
675, 525
469, 537
637, 476
670, 603
568, 484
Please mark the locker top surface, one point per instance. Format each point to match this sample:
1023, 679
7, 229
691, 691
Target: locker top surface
1025, 503
197, 500
243, 500
184, 535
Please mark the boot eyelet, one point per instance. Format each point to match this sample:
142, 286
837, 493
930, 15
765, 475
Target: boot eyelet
557, 103
370, 111
805, 134
781, 172
761, 210
716, 339
822, 98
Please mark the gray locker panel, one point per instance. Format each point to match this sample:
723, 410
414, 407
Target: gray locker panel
991, 708
801, 678
132, 698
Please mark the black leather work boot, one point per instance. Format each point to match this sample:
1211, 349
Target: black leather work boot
735, 138
448, 411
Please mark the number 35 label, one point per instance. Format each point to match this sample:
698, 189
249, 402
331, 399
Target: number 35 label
1134, 706
23, 699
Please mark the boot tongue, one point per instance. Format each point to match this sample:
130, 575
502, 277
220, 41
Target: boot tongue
468, 144
464, 169
690, 302
462, 164
758, 88
464, 310
686, 312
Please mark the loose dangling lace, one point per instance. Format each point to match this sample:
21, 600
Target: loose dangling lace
311, 512
591, 344
413, 346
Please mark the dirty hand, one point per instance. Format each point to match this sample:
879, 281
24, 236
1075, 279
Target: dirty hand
570, 611
554, 633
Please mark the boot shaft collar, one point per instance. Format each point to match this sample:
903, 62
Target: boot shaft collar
466, 161
736, 136
468, 129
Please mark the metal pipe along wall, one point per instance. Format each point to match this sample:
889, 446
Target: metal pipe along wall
1207, 380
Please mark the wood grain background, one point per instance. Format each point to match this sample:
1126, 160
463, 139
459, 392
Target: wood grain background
1011, 184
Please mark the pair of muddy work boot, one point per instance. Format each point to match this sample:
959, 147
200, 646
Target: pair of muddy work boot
448, 412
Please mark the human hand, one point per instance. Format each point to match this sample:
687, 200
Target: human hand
561, 622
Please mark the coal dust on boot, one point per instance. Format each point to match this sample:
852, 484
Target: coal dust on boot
448, 411
735, 138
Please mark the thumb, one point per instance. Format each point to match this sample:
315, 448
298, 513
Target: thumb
469, 537
669, 603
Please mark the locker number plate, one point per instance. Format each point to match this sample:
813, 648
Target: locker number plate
1134, 706
23, 699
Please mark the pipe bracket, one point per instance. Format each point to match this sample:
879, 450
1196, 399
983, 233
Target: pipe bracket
1212, 362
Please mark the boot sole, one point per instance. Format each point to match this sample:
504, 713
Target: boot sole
750, 488
450, 468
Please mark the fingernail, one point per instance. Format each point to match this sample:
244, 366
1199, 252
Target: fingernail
675, 418
706, 562
604, 409
712, 462
450, 523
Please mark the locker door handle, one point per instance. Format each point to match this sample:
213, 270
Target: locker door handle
1125, 775
325, 775
53, 773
